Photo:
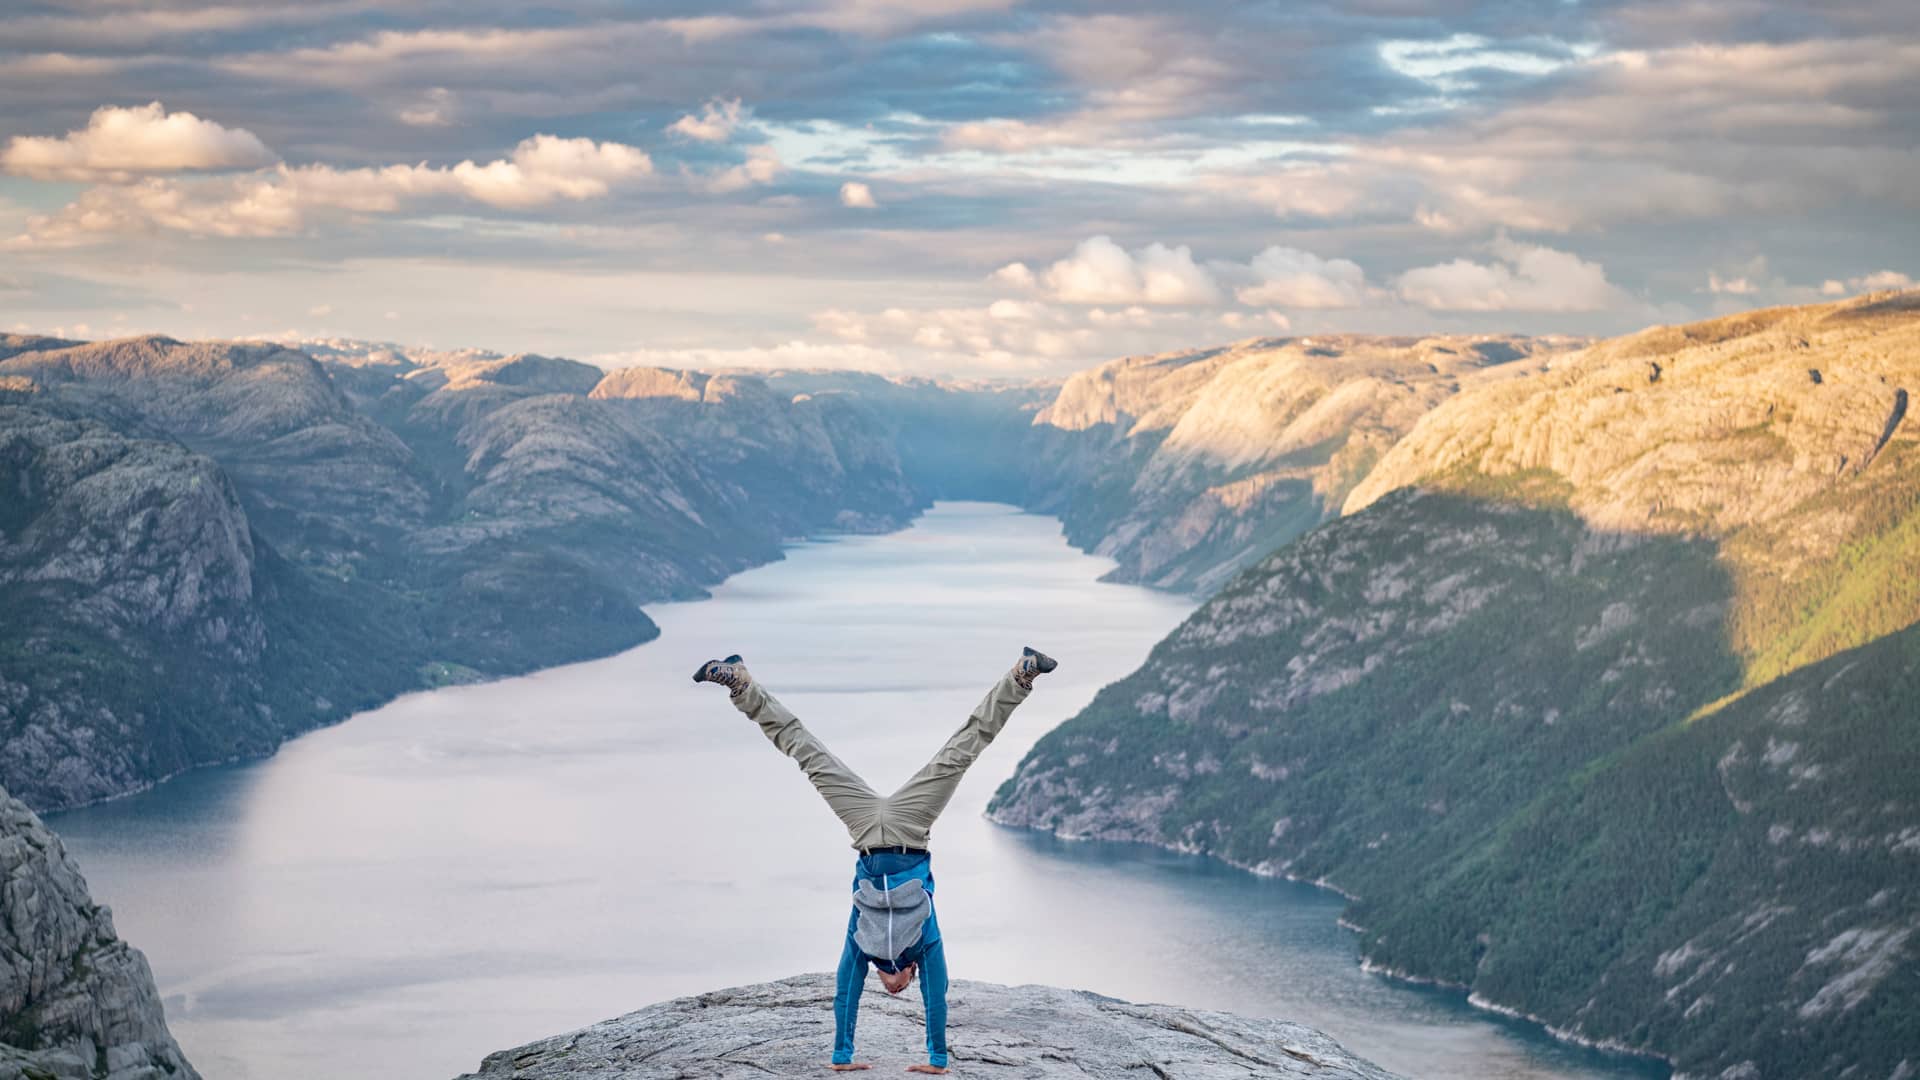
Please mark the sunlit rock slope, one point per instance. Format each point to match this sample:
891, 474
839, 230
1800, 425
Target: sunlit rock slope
1185, 467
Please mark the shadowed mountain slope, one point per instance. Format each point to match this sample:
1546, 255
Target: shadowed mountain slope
210, 546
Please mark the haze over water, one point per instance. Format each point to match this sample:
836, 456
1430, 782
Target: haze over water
473, 868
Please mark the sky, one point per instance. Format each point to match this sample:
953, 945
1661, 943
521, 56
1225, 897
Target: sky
958, 187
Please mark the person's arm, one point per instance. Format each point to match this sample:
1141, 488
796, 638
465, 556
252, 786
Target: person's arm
933, 994
848, 982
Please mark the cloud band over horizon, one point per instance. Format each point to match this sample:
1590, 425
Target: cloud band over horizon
964, 186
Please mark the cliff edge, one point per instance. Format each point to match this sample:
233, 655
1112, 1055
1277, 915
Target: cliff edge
76, 1002
784, 1028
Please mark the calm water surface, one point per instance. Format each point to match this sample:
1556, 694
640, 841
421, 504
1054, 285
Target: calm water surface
476, 867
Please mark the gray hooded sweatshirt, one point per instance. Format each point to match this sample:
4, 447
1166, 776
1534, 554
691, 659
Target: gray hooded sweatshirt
890, 921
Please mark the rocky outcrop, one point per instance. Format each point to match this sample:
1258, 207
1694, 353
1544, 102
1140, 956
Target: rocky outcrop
785, 1028
76, 1002
1186, 467
1733, 409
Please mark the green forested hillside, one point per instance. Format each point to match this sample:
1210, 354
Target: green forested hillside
1744, 885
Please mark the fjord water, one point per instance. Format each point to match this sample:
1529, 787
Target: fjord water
476, 867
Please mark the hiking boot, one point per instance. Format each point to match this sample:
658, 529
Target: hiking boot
730, 673
1032, 663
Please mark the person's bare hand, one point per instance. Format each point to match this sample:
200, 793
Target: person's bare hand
851, 1067
899, 980
933, 1069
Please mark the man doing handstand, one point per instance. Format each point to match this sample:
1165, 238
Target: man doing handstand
892, 926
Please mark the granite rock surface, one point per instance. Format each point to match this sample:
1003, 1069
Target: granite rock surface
785, 1028
76, 1002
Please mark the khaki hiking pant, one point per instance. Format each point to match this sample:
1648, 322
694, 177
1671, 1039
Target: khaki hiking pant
904, 817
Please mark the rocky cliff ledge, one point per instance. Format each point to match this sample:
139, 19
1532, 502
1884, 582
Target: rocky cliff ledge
785, 1028
76, 1002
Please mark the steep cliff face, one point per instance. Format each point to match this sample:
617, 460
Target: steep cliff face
1617, 679
216, 545
1186, 467
76, 1002
785, 1028
127, 574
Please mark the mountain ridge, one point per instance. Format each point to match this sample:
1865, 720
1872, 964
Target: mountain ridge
493, 519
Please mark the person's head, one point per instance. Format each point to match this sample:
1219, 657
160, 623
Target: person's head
898, 980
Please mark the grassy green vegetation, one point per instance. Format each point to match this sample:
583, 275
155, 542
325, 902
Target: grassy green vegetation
1790, 616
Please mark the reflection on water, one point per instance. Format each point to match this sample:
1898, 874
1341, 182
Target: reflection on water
476, 867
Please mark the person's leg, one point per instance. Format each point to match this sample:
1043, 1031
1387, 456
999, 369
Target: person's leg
848, 982
933, 994
911, 811
848, 795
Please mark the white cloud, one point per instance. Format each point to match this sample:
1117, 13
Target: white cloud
1749, 278
1005, 334
1526, 277
435, 109
1289, 277
1017, 274
1874, 282
790, 354
1003, 136
1443, 63
277, 201
857, 195
544, 168
763, 166
1882, 279
119, 144
1102, 272
714, 124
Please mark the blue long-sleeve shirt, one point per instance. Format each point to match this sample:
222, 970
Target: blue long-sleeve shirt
891, 869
